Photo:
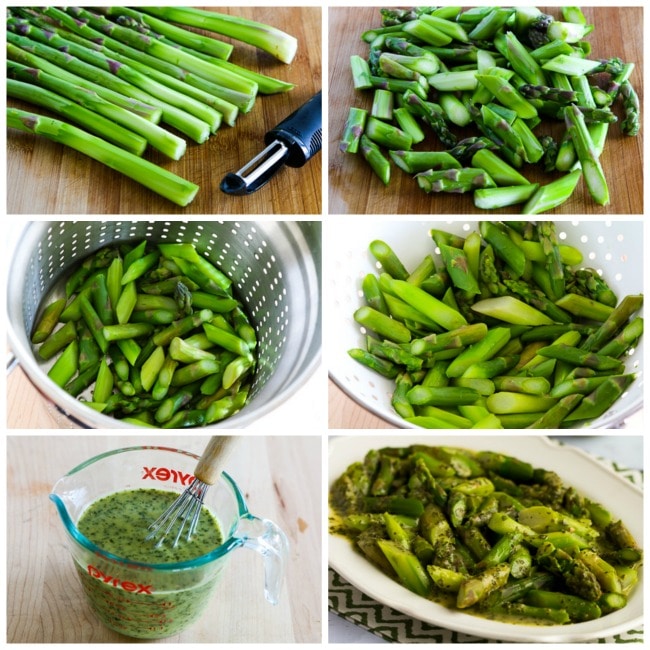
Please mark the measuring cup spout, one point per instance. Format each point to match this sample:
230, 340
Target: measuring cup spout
66, 496
61, 509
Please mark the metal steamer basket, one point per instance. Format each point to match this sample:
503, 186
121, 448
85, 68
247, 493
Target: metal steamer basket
613, 247
276, 272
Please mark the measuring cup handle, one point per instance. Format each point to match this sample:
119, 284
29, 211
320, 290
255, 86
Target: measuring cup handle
273, 546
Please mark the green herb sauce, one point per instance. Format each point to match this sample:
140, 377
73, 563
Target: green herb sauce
141, 602
118, 524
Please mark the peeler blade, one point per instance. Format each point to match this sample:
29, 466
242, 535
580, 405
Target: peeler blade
257, 172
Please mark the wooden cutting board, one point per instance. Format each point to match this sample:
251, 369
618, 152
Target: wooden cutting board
47, 178
354, 188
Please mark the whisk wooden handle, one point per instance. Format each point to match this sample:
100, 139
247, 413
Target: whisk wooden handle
212, 461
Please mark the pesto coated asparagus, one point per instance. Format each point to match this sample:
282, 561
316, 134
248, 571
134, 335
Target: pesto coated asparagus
486, 533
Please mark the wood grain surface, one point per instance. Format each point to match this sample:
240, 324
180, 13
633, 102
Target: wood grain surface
47, 178
280, 477
345, 413
355, 189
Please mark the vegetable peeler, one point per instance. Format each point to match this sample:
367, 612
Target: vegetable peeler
292, 142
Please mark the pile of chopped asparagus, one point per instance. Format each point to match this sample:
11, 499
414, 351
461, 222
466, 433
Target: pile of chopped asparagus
487, 533
149, 334
131, 79
507, 329
503, 72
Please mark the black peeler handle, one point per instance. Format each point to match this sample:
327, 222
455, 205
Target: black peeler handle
292, 142
301, 132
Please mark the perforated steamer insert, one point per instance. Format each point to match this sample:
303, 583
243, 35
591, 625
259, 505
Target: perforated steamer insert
276, 272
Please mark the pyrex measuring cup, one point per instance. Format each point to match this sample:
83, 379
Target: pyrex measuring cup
158, 600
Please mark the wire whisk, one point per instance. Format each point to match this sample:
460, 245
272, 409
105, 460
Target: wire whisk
186, 509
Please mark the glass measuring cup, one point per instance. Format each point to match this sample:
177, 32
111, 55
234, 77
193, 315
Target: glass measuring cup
153, 601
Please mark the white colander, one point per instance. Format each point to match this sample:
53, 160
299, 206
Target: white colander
275, 267
615, 247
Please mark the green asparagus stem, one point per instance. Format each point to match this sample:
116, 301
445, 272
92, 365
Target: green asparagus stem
474, 589
460, 180
354, 128
597, 402
627, 338
553, 194
444, 396
500, 197
500, 172
382, 105
386, 135
511, 310
504, 402
66, 365
375, 158
589, 161
156, 178
408, 124
428, 305
577, 608
584, 307
508, 95
181, 36
570, 65
631, 124
48, 321
270, 39
389, 260
94, 123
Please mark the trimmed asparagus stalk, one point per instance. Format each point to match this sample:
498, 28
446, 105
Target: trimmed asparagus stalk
157, 179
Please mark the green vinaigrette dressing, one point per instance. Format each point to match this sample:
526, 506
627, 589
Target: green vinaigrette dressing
144, 602
118, 523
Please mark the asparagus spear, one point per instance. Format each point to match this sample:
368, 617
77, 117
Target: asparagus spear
589, 160
631, 124
270, 39
96, 124
354, 127
459, 181
179, 35
375, 158
553, 194
155, 178
147, 112
138, 80
386, 135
